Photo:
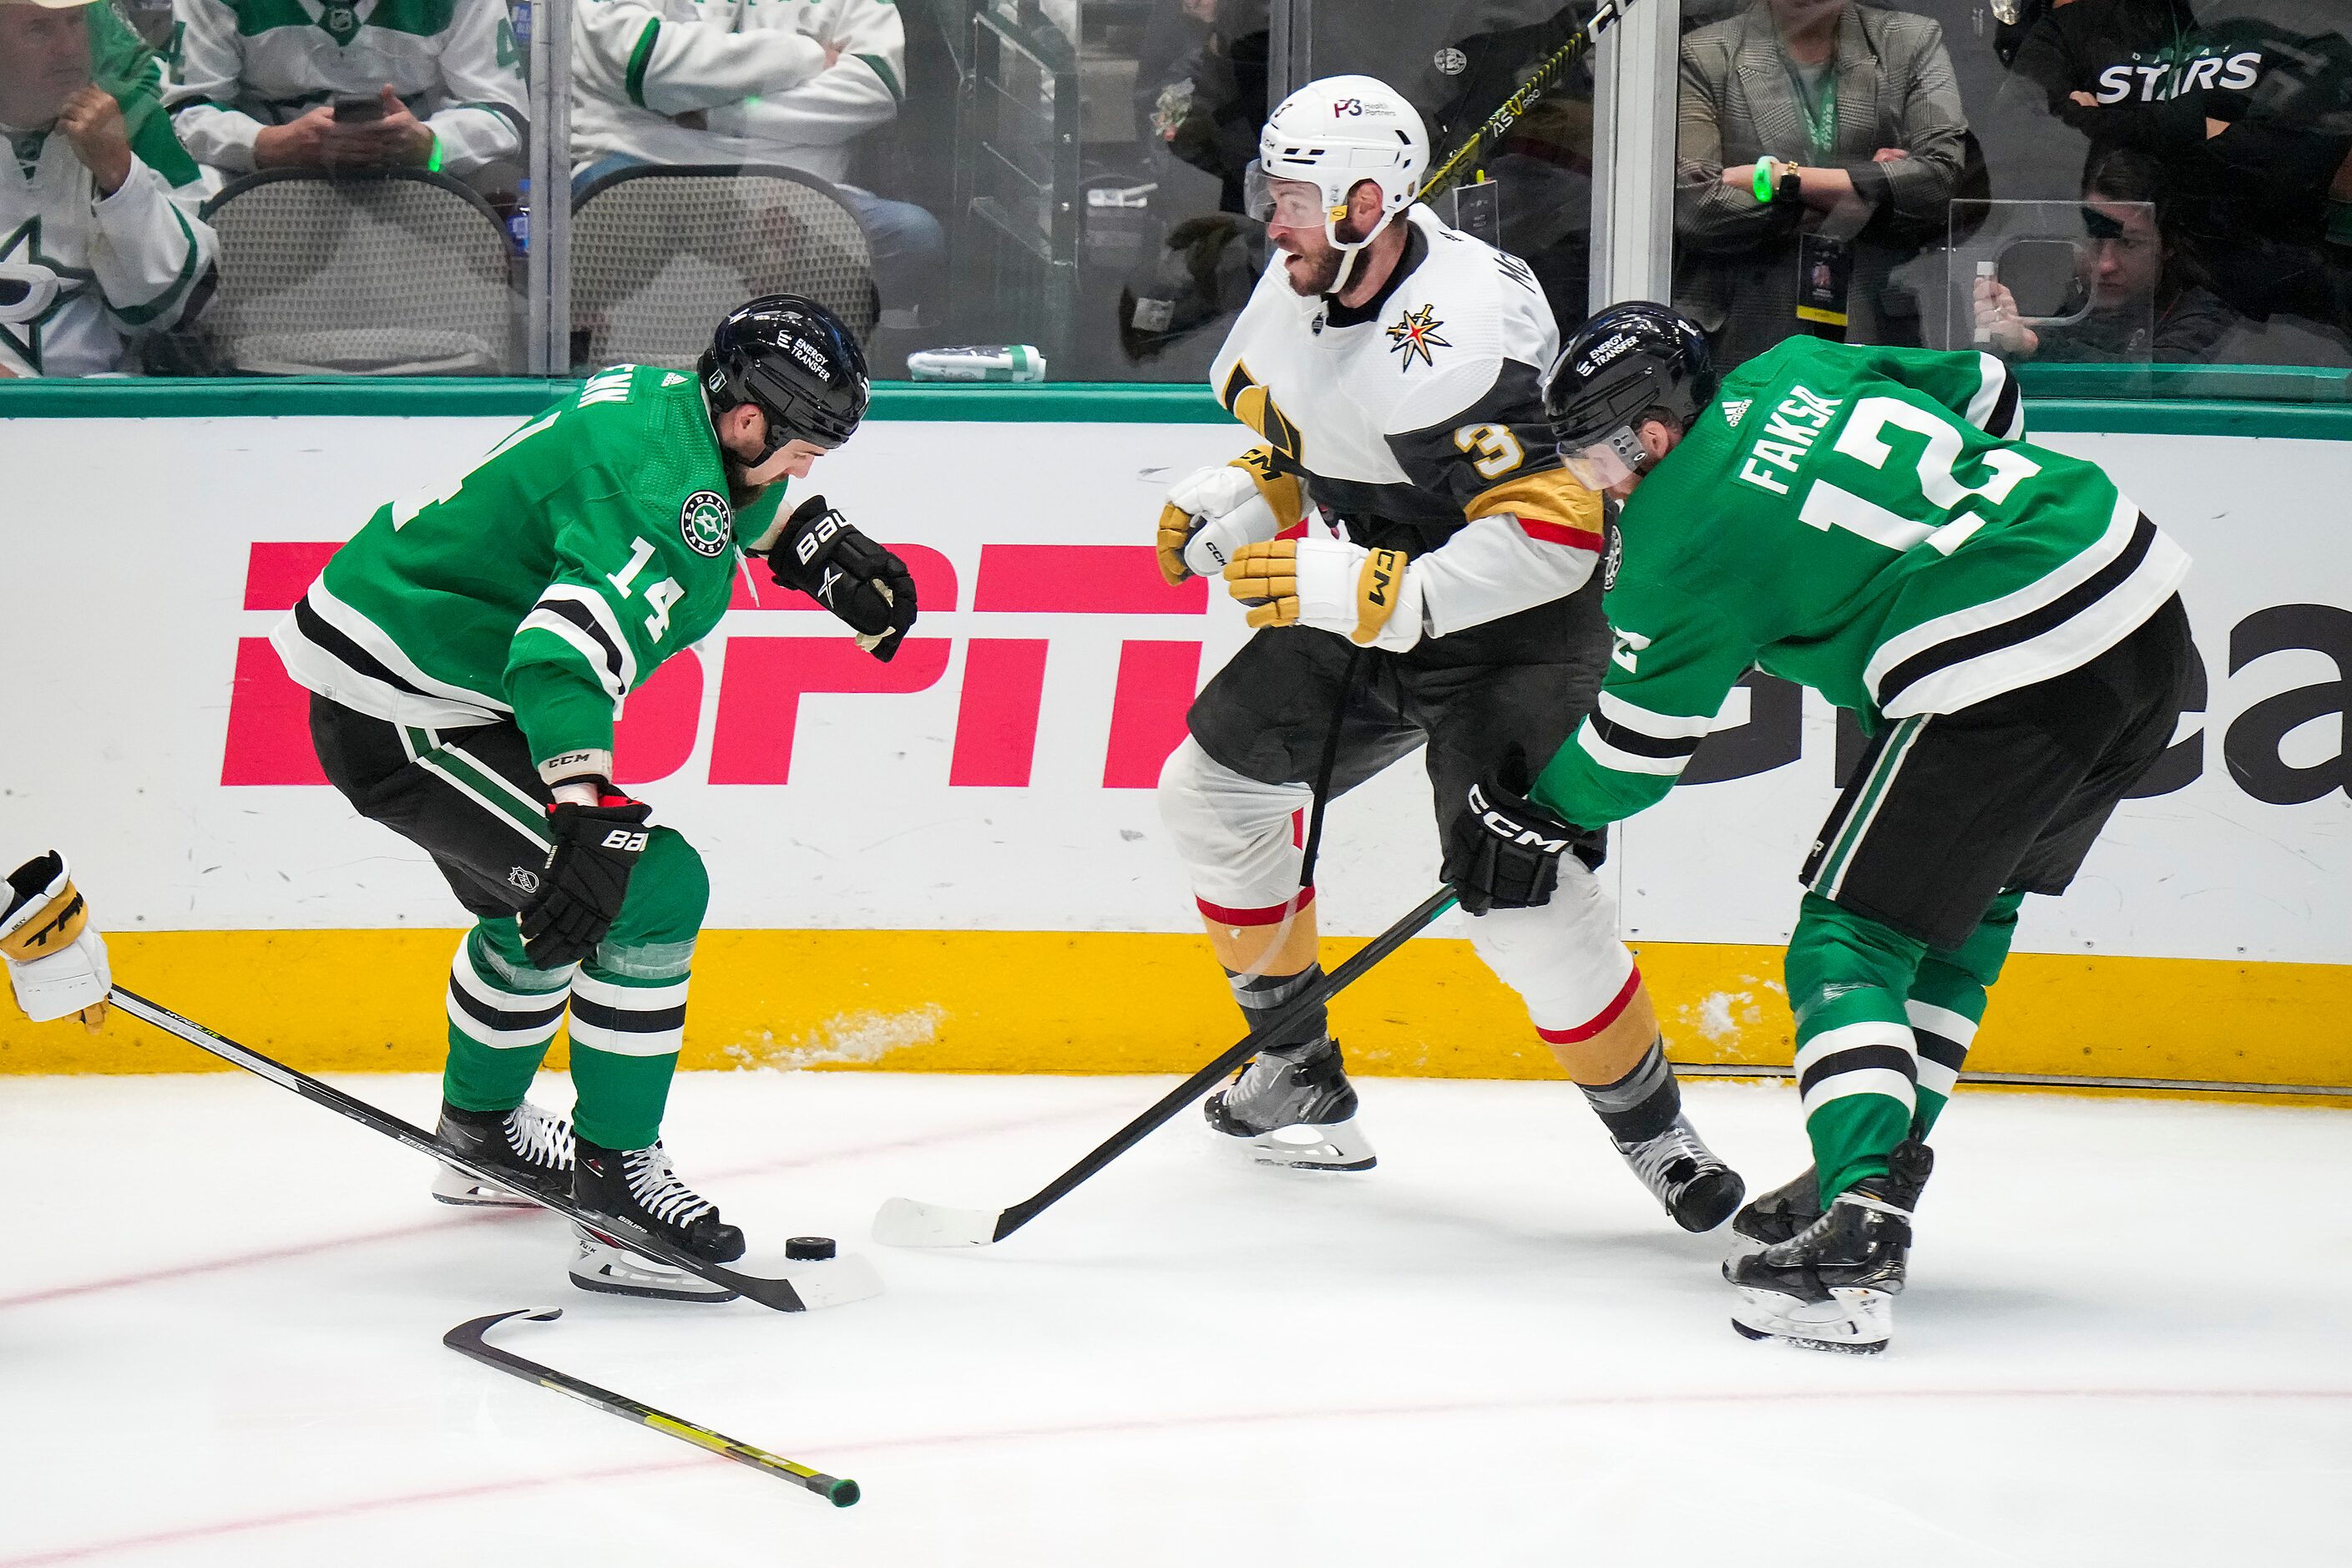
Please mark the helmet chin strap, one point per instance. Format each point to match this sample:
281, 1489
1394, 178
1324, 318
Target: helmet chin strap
1350, 253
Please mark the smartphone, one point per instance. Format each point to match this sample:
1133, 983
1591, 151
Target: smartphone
356, 109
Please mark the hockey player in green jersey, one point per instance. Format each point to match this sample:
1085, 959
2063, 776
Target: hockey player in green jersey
468, 652
2004, 622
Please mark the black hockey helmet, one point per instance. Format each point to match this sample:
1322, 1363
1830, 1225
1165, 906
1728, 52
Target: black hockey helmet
794, 360
1626, 361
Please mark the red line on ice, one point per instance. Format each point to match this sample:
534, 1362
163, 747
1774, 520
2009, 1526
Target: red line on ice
1112, 1428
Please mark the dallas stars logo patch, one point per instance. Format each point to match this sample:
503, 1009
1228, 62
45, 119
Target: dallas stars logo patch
1415, 333
707, 522
35, 286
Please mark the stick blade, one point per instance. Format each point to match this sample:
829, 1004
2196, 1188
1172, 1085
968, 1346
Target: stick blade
904, 1222
831, 1282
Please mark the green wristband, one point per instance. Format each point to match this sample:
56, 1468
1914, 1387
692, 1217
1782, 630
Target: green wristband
1762, 184
432, 165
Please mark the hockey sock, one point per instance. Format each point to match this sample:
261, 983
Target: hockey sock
502, 1015
1263, 996
1948, 1003
1857, 1068
1642, 1104
626, 1028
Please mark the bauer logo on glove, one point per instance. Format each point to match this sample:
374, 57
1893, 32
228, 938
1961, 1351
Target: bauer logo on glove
816, 552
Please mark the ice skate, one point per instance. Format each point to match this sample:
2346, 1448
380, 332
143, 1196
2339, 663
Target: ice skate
1296, 1112
1776, 1216
1833, 1286
638, 1186
525, 1144
1699, 1190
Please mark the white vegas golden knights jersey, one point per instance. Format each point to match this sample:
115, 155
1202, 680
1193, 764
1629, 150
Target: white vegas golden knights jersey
1415, 421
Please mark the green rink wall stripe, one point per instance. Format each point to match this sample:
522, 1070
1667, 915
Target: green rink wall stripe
1103, 402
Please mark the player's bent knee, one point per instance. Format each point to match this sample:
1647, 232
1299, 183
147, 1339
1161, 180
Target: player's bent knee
1834, 950
1232, 833
1562, 957
669, 894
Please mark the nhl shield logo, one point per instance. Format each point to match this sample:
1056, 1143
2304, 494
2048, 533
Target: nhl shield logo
707, 522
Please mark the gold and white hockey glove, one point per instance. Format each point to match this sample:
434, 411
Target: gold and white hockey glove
1369, 596
1213, 512
56, 960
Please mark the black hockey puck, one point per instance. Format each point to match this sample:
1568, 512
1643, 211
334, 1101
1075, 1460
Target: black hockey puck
808, 1248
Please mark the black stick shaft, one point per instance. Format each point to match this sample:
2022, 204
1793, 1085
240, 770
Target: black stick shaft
777, 1294
1191, 1089
467, 1338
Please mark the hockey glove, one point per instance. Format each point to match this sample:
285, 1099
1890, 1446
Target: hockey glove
1503, 852
587, 876
1369, 596
818, 553
1213, 512
56, 959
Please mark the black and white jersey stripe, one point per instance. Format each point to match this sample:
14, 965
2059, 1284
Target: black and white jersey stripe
1942, 1038
1633, 739
332, 650
1999, 407
2058, 622
582, 619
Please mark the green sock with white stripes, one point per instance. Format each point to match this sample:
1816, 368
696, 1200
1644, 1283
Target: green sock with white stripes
502, 1015
1948, 1002
625, 1034
1848, 978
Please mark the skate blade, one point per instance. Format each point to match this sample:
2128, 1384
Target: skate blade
608, 1270
1850, 1322
453, 1186
1311, 1146
906, 1222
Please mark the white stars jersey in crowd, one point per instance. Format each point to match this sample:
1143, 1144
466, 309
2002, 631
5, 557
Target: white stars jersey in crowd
1416, 421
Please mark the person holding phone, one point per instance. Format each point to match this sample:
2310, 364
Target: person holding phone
249, 91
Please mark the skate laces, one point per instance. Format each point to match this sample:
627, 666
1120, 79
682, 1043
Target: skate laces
1670, 1161
658, 1191
539, 1139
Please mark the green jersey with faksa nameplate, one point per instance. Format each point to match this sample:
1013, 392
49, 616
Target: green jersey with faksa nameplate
1866, 521
587, 548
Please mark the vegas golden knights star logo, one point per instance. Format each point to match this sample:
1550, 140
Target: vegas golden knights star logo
1415, 333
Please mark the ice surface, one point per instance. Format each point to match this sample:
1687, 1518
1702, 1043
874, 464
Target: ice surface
2128, 1341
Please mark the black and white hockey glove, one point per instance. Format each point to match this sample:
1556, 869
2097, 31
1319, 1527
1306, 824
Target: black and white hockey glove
587, 876
818, 553
1503, 852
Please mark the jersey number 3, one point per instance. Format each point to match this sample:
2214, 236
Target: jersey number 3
1498, 450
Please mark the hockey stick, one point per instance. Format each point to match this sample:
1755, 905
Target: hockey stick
466, 1340
1542, 81
905, 1222
830, 1282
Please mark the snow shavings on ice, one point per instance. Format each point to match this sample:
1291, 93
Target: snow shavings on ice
860, 1038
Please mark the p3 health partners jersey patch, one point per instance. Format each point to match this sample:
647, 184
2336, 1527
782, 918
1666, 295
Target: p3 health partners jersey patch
708, 523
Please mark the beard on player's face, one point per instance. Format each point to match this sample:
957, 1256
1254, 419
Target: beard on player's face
1310, 261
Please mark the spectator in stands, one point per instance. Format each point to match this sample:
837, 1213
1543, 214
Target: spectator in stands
2147, 295
1211, 106
99, 238
1854, 114
716, 82
263, 84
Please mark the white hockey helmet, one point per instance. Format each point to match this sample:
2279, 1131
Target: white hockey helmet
1334, 134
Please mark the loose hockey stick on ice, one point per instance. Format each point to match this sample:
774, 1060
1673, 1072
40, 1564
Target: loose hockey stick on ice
466, 1340
828, 1283
904, 1222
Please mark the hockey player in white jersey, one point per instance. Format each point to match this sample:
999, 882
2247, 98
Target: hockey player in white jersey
56, 959
1421, 571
